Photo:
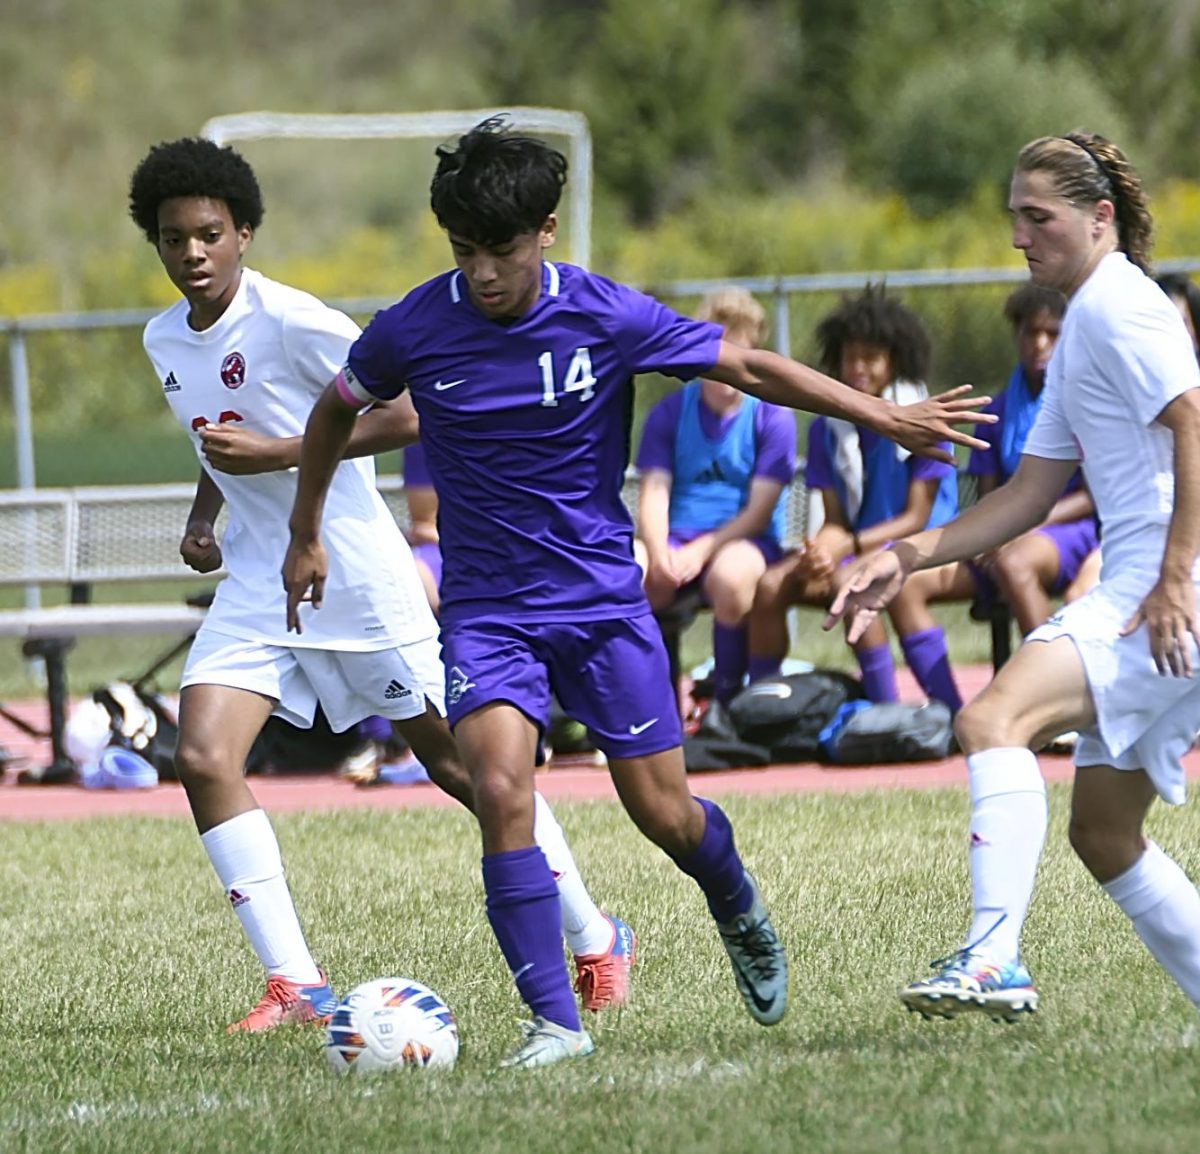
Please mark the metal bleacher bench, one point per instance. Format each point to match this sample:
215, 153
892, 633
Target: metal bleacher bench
82, 537
76, 539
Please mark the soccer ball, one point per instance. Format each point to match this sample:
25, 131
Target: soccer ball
389, 1024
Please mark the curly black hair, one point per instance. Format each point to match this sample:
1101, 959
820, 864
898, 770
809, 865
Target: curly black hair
874, 318
495, 185
193, 167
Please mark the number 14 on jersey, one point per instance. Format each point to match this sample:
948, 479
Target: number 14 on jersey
577, 379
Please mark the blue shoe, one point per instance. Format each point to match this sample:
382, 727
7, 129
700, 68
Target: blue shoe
758, 959
969, 983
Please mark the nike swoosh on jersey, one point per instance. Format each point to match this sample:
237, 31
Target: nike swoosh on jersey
442, 386
636, 729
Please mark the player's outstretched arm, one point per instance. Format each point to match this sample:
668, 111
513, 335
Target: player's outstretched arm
330, 426
919, 427
869, 584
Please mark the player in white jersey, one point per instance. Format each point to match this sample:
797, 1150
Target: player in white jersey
1120, 666
242, 359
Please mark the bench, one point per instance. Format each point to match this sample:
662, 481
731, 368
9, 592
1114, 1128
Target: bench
75, 538
804, 510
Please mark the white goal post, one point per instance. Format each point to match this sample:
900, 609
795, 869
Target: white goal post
438, 125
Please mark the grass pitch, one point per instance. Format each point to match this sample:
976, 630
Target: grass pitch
122, 964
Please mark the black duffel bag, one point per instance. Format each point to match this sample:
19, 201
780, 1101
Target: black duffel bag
787, 714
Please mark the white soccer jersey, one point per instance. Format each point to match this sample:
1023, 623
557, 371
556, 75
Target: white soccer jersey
1122, 357
264, 363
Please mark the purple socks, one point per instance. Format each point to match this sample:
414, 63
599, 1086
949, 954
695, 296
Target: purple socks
522, 905
878, 673
730, 654
763, 667
926, 655
716, 867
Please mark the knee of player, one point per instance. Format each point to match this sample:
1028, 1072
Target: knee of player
983, 724
502, 796
675, 829
731, 601
198, 761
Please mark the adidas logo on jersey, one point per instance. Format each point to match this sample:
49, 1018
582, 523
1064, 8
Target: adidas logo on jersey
395, 691
171, 385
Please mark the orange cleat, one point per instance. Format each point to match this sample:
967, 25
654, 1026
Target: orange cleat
286, 1001
602, 980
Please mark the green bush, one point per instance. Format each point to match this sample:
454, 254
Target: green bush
959, 118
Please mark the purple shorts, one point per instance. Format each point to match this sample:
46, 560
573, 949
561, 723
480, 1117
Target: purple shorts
430, 553
1073, 540
611, 676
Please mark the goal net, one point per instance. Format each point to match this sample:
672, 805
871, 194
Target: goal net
437, 126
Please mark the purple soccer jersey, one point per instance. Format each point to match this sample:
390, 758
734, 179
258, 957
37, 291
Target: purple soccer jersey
526, 429
415, 468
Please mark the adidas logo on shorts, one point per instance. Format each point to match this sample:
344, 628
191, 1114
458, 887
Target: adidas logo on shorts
395, 691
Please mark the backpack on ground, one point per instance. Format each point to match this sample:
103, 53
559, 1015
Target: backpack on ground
866, 734
787, 714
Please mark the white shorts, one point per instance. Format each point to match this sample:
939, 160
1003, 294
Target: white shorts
1144, 720
392, 683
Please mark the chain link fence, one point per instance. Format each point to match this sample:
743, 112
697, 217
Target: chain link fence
79, 404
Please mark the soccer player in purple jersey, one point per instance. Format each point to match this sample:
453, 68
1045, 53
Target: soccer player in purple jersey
521, 371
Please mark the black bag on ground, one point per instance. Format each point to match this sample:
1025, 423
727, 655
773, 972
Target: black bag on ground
787, 714
281, 747
888, 732
707, 753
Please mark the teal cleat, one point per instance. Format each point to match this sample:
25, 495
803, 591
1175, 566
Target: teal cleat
758, 959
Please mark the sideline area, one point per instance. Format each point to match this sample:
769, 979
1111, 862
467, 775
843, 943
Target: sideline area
320, 792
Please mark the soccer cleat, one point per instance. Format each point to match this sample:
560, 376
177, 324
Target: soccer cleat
546, 1043
758, 960
286, 1001
968, 983
602, 980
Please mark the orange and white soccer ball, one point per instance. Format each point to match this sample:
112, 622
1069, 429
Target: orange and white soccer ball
390, 1024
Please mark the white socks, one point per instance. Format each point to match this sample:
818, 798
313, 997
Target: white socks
245, 854
1157, 896
586, 929
1008, 830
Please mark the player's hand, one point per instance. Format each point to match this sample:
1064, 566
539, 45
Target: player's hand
862, 589
304, 569
199, 548
660, 582
232, 448
688, 560
816, 561
1169, 613
921, 425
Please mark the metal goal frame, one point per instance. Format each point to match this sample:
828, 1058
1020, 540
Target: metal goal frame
436, 125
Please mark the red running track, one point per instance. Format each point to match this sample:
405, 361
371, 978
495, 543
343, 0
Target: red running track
327, 792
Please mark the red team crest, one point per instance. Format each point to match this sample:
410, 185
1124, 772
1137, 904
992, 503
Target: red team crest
233, 371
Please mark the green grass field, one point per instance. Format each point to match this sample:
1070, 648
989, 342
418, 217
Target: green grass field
122, 964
